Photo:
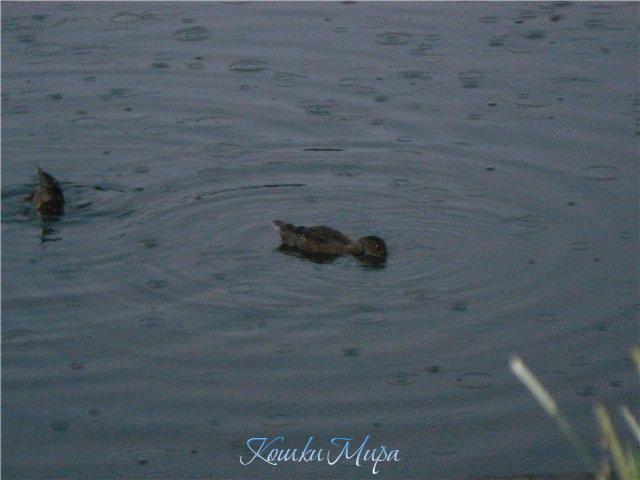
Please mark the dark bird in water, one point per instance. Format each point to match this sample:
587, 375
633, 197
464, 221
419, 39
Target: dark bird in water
47, 198
324, 243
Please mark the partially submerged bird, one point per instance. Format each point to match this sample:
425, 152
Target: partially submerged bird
324, 243
47, 198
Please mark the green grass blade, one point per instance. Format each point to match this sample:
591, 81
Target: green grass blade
608, 432
631, 421
529, 380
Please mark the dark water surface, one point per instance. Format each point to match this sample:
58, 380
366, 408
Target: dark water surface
156, 329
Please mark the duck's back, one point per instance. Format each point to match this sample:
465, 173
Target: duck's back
317, 240
327, 235
47, 203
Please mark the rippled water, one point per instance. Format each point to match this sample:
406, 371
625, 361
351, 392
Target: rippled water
155, 327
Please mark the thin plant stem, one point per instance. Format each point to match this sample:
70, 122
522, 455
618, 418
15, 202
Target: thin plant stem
631, 421
529, 380
613, 444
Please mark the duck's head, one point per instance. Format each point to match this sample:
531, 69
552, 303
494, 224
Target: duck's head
371, 249
48, 183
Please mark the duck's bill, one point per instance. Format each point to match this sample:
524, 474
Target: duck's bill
277, 225
44, 178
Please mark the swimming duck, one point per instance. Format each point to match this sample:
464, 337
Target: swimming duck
326, 243
47, 198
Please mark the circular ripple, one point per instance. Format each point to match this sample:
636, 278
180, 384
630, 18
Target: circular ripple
415, 75
146, 462
471, 78
284, 79
60, 425
623, 48
335, 110
274, 415
581, 46
399, 183
192, 34
44, 49
18, 109
224, 150
601, 10
579, 246
497, 41
355, 85
248, 66
90, 54
87, 202
520, 226
224, 263
579, 361
320, 109
393, 38
85, 122
601, 172
164, 56
158, 130
9, 335
518, 43
547, 317
475, 380
155, 323
489, 19
125, 17
401, 378
208, 121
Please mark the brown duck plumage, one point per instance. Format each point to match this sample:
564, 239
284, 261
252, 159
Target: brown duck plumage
325, 243
47, 198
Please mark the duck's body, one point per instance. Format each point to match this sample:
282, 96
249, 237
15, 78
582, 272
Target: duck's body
326, 243
47, 198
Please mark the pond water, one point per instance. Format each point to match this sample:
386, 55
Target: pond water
154, 328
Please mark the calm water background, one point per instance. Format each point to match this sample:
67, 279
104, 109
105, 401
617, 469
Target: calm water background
494, 147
